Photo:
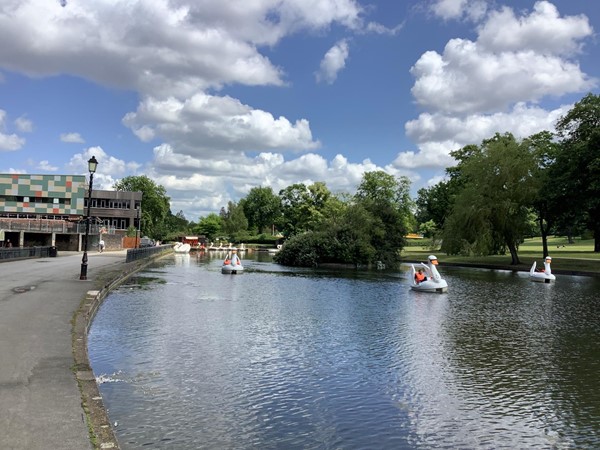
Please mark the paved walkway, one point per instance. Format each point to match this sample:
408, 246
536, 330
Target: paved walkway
40, 403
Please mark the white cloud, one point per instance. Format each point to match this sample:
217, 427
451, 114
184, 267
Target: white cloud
495, 83
24, 125
208, 184
494, 72
170, 48
543, 31
437, 134
9, 142
74, 138
45, 165
108, 170
377, 28
218, 126
459, 9
333, 61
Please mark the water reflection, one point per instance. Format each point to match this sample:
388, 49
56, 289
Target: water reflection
280, 358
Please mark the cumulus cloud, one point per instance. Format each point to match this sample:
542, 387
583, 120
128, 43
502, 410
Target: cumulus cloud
495, 83
333, 61
218, 126
514, 59
459, 9
74, 138
109, 168
208, 184
170, 49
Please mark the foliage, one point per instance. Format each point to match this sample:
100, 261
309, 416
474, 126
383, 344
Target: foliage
434, 203
490, 212
428, 229
388, 203
262, 208
210, 226
578, 165
234, 220
155, 204
303, 207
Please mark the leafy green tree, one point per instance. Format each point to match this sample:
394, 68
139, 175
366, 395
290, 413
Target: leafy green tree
491, 210
547, 204
210, 226
262, 208
388, 201
234, 219
303, 208
579, 162
347, 240
155, 204
434, 203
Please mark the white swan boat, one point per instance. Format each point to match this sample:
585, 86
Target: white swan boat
434, 281
180, 247
232, 266
542, 276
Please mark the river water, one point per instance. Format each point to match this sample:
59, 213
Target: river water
282, 358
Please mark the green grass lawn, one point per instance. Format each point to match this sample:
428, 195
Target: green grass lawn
576, 257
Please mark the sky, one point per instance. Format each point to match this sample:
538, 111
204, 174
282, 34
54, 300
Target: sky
211, 98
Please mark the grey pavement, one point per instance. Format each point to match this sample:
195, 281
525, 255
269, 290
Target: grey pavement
40, 402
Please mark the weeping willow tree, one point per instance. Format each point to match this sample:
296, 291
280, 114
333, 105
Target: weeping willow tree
491, 211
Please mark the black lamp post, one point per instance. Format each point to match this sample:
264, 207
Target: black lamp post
92, 164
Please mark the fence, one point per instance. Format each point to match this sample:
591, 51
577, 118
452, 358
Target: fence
26, 252
52, 226
133, 254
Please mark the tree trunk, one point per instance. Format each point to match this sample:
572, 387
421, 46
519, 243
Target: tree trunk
570, 235
513, 254
544, 232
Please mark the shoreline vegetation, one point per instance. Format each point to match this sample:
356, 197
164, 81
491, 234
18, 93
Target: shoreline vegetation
577, 258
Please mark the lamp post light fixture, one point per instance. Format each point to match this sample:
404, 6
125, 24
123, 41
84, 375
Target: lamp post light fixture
92, 165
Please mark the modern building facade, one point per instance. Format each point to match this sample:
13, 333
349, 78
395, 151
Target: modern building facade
52, 210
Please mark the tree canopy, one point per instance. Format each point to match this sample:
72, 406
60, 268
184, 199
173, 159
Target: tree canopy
155, 204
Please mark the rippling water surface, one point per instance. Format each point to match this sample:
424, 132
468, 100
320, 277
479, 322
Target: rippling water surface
279, 358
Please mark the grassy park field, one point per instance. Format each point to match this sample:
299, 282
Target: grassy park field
578, 257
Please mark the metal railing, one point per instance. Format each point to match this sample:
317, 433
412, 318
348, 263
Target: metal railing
52, 226
134, 254
26, 252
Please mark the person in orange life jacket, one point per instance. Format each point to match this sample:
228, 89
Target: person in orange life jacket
420, 276
227, 261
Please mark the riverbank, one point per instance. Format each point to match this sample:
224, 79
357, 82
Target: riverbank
576, 258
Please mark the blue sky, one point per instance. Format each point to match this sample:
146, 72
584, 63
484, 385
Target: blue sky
212, 98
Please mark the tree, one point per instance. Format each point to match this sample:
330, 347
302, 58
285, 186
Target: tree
434, 203
579, 162
491, 210
262, 208
155, 204
210, 226
546, 202
303, 208
234, 219
388, 201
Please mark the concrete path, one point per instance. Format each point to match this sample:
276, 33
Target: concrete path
40, 403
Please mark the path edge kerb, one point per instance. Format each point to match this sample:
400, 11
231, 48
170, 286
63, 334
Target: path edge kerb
101, 433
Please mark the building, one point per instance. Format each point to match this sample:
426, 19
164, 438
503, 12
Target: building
51, 210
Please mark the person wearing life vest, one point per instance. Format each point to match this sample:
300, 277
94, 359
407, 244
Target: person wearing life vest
227, 261
420, 276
